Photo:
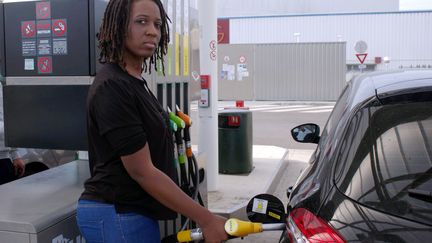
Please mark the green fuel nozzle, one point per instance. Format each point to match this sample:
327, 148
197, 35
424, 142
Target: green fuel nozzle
178, 121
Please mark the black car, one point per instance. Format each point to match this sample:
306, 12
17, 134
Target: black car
370, 177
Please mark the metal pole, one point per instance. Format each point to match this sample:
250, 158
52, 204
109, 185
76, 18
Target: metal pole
208, 116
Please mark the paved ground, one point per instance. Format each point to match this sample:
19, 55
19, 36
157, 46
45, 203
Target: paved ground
236, 190
295, 162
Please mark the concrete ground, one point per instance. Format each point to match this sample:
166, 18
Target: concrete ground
275, 170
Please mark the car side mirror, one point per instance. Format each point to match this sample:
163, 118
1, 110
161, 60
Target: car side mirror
306, 133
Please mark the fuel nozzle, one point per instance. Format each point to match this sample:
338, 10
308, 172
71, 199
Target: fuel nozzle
183, 116
178, 121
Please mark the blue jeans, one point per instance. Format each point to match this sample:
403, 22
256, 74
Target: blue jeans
100, 223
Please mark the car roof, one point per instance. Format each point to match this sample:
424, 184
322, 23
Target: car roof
383, 83
382, 79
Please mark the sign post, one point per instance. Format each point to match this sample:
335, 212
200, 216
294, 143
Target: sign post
361, 48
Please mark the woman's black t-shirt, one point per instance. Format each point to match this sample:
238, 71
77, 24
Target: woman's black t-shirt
122, 116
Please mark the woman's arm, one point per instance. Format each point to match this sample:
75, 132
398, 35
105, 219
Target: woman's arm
140, 167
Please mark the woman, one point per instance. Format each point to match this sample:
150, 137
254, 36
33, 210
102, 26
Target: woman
133, 176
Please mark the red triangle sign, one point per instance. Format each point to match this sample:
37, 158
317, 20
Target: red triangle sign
361, 57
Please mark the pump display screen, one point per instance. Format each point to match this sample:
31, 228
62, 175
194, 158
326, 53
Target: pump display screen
47, 38
45, 116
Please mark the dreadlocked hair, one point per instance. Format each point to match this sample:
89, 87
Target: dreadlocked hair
113, 32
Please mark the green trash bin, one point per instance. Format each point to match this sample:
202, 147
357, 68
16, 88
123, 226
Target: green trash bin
235, 141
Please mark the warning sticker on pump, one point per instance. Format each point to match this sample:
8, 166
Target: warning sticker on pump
60, 46
44, 47
28, 29
59, 27
44, 65
29, 47
29, 64
43, 28
43, 10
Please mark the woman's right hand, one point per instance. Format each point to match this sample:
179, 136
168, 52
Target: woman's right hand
214, 229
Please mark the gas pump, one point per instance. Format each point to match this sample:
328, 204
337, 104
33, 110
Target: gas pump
49, 61
47, 76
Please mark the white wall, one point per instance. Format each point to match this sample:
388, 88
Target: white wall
404, 37
345, 6
232, 8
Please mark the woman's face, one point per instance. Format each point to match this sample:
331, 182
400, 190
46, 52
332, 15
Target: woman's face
144, 30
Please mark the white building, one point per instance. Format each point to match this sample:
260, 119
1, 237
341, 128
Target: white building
237, 8
394, 39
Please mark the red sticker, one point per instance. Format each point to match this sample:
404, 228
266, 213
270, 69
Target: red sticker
205, 81
59, 27
28, 29
43, 10
44, 65
233, 121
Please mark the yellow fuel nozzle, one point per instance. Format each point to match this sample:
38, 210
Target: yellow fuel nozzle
189, 235
184, 236
239, 228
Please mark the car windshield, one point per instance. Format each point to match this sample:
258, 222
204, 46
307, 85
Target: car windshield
386, 162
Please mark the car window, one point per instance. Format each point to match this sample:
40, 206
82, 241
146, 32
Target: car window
355, 144
334, 119
387, 153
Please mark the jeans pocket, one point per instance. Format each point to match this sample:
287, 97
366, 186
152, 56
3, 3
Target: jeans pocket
92, 230
138, 228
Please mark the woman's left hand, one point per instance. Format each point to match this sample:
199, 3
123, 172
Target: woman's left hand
19, 167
